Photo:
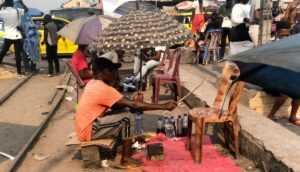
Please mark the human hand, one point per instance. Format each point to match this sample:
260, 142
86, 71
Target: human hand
170, 105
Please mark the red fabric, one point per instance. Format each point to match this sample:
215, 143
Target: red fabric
79, 62
177, 158
197, 22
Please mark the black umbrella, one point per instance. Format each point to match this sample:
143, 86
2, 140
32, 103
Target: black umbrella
284, 54
275, 67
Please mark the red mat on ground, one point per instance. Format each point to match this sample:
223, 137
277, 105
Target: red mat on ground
178, 159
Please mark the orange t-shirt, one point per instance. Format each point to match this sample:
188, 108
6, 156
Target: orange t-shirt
96, 98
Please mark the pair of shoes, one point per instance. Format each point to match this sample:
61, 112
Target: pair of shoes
129, 79
129, 87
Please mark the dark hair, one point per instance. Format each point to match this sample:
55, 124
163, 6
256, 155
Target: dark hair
82, 47
7, 3
47, 18
242, 1
101, 64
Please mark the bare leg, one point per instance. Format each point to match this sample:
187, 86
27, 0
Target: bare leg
295, 106
278, 103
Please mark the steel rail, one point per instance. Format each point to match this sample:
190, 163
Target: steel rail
14, 88
35, 136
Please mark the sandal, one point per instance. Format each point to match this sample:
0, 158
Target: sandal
295, 121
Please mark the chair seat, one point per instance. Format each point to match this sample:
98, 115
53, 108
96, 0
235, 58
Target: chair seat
164, 77
209, 114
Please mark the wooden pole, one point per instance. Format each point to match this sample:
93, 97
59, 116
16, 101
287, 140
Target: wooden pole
261, 23
200, 2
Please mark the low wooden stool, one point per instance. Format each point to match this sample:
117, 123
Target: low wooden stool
91, 157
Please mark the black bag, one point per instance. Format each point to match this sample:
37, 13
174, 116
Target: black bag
240, 33
19, 27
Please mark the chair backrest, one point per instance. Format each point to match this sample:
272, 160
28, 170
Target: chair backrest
215, 38
75, 74
167, 59
174, 63
230, 70
235, 97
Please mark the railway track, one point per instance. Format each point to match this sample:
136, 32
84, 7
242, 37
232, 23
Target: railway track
12, 89
25, 110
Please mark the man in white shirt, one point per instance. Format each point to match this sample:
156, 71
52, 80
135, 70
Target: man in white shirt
240, 12
150, 64
240, 18
12, 35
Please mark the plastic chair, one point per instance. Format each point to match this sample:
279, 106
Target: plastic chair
164, 62
211, 46
206, 115
170, 75
79, 81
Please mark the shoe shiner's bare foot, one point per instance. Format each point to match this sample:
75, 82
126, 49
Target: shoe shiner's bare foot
294, 120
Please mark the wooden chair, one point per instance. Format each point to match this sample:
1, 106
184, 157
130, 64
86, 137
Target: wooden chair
202, 116
79, 82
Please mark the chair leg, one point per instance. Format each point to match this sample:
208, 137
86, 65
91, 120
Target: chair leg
199, 139
157, 90
227, 135
236, 131
153, 90
176, 92
178, 86
189, 135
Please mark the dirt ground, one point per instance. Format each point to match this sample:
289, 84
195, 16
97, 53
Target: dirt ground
59, 158
22, 113
7, 77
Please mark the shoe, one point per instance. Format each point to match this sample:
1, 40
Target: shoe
20, 76
128, 87
129, 79
50, 75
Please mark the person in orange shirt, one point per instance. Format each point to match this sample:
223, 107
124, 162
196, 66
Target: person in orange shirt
98, 96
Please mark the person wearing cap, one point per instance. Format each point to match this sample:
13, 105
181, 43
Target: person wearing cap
50, 39
100, 95
240, 39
